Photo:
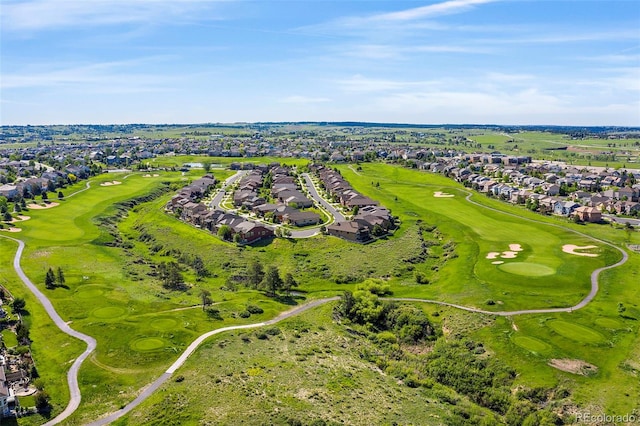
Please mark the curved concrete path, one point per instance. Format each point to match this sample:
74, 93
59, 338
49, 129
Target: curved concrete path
191, 349
72, 375
305, 233
594, 275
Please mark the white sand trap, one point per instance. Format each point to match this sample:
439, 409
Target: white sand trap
515, 247
155, 175
439, 194
20, 218
509, 254
497, 262
12, 229
146, 176
115, 182
492, 255
39, 207
571, 249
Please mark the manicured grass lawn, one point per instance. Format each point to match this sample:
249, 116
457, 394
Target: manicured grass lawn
310, 370
553, 278
141, 327
532, 344
9, 338
51, 348
576, 332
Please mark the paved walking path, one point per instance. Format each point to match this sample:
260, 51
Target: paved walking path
191, 349
72, 376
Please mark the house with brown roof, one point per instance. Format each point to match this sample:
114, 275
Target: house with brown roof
250, 232
588, 214
351, 230
299, 218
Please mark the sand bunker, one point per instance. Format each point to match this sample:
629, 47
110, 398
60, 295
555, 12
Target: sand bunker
515, 247
115, 182
20, 219
509, 254
146, 176
574, 366
38, 206
492, 255
12, 229
497, 262
439, 194
571, 249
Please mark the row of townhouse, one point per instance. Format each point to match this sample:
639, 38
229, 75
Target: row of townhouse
187, 205
48, 181
370, 220
521, 186
289, 199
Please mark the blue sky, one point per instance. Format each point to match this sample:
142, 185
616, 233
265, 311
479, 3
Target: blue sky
194, 61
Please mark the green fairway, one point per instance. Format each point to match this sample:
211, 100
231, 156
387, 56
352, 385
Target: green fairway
531, 344
576, 332
109, 312
115, 296
609, 323
164, 324
90, 291
9, 338
147, 344
554, 278
527, 269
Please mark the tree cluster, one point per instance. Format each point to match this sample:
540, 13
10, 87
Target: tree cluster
170, 275
269, 280
408, 323
53, 280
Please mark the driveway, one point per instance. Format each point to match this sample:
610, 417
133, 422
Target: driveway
622, 220
217, 199
337, 216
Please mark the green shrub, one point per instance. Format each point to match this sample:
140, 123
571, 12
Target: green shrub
253, 309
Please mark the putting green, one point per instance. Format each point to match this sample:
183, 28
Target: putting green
609, 323
147, 344
109, 312
576, 332
164, 324
89, 291
527, 269
531, 344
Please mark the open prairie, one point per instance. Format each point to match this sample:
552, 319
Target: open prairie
141, 328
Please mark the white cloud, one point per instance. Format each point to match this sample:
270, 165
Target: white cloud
34, 15
412, 20
361, 84
404, 52
430, 11
102, 77
297, 99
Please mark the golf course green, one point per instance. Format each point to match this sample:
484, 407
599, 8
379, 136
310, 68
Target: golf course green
115, 296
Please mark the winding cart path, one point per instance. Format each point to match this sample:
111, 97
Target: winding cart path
72, 375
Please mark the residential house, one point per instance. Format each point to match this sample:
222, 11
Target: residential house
351, 230
8, 400
299, 218
565, 208
250, 232
588, 214
9, 191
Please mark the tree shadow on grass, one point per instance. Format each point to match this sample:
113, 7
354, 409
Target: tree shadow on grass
9, 421
288, 300
265, 242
